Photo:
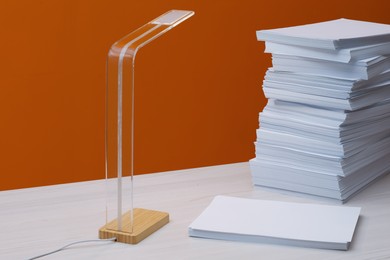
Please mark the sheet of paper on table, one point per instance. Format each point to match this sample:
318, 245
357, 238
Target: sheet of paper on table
284, 223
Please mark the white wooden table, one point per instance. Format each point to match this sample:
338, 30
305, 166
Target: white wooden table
37, 220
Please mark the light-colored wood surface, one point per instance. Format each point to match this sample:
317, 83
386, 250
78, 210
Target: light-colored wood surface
145, 223
35, 221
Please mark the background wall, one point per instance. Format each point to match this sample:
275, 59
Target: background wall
201, 83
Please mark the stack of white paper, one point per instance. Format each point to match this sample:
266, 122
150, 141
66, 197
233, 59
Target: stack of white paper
249, 220
326, 128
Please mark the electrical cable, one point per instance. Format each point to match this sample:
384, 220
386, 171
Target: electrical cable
71, 244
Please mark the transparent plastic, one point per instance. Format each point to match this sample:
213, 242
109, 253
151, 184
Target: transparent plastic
120, 114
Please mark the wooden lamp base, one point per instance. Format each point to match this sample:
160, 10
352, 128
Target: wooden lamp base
145, 223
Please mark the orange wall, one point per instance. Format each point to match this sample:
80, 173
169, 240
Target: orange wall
200, 94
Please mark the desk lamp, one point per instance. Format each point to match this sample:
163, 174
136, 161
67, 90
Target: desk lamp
136, 224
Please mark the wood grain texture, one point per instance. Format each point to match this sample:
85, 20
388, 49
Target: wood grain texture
146, 222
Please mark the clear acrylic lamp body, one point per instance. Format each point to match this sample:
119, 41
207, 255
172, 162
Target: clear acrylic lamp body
120, 125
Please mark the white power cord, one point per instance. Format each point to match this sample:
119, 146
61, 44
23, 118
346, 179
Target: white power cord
71, 244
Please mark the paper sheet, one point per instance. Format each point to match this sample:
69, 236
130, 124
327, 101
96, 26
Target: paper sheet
292, 221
